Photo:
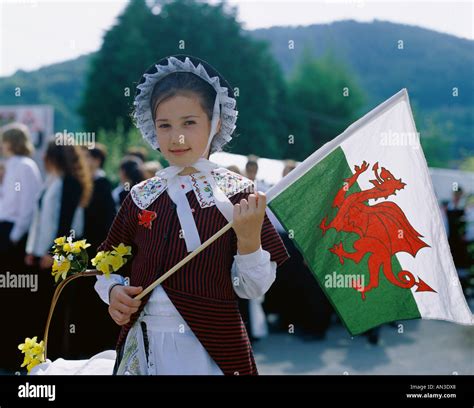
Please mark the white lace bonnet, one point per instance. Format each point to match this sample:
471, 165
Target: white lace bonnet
142, 113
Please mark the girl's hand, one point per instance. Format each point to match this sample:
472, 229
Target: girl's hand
122, 305
248, 220
46, 262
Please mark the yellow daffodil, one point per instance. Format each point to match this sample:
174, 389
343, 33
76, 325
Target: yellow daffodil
100, 255
75, 247
71, 247
116, 262
33, 363
108, 261
104, 265
82, 244
123, 250
34, 353
60, 241
61, 268
28, 344
38, 348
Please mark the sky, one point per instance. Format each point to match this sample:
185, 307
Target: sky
35, 33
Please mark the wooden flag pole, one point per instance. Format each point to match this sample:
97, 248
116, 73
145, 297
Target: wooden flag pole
183, 261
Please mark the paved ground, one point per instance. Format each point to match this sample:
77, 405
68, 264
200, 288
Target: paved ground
424, 347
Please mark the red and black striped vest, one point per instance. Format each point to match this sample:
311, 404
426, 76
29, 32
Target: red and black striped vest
202, 289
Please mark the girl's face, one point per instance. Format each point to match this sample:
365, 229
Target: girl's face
182, 128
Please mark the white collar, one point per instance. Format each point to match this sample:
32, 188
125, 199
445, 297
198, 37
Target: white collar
146, 192
211, 187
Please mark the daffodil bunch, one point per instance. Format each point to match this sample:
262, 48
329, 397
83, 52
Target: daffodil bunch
69, 257
111, 261
33, 351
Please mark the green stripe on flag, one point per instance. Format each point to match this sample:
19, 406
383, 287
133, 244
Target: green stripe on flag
300, 208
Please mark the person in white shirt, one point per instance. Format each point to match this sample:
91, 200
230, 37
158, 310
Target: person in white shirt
252, 309
19, 188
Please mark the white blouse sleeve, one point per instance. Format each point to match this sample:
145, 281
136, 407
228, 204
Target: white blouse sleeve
46, 223
30, 182
253, 274
104, 284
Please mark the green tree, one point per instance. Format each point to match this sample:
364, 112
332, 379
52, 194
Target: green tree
210, 32
467, 164
325, 99
437, 146
116, 68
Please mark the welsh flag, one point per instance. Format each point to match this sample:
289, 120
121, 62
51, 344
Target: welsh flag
363, 213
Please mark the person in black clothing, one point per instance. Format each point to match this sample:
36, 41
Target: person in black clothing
456, 218
131, 173
101, 210
297, 297
88, 313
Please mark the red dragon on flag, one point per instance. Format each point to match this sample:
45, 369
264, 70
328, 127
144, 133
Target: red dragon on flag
383, 229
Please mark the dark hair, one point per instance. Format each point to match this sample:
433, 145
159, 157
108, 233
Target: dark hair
137, 151
71, 161
18, 136
99, 152
252, 161
178, 83
131, 166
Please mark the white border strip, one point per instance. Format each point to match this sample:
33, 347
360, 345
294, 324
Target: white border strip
327, 148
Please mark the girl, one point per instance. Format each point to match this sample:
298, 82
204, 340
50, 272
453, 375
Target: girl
191, 323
